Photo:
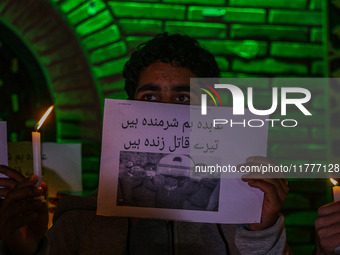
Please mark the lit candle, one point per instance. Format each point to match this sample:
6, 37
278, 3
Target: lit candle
336, 190
36, 146
336, 197
36, 141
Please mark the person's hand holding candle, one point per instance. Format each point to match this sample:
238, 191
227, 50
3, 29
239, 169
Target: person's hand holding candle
23, 212
327, 225
12, 178
24, 219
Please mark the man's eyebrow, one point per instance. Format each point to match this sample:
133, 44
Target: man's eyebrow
181, 88
149, 87
154, 87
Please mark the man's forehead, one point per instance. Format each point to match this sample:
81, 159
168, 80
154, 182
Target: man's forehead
159, 87
161, 73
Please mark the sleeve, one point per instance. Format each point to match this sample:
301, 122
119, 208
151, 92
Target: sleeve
42, 250
66, 233
70, 221
271, 241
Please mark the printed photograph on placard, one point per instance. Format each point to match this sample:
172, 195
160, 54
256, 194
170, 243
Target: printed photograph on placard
149, 170
163, 180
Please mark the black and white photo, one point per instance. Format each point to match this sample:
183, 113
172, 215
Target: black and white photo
160, 180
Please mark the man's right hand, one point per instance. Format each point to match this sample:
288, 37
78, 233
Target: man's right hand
24, 217
9, 182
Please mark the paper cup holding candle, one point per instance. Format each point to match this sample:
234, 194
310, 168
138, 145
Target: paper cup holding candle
36, 146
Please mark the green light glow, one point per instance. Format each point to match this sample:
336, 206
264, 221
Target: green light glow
15, 102
85, 11
112, 51
296, 50
102, 37
14, 137
197, 29
295, 18
92, 9
110, 68
227, 14
213, 12
271, 32
246, 49
269, 65
147, 10
269, 3
95, 23
67, 6
141, 26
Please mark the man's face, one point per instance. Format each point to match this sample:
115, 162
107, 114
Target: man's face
137, 169
129, 164
165, 83
150, 172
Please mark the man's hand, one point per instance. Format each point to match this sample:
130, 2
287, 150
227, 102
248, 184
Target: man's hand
275, 192
24, 217
327, 227
13, 179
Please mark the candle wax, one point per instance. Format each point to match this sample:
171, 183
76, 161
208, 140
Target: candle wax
336, 197
36, 146
336, 193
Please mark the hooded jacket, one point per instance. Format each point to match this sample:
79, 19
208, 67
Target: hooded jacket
78, 230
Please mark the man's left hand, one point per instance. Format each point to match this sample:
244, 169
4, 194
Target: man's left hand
275, 190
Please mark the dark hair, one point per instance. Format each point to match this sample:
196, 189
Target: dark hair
175, 48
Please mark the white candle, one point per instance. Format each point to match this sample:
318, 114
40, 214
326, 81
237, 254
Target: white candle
336, 197
336, 193
336, 190
36, 145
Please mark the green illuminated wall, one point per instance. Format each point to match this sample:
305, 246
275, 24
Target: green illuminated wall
250, 38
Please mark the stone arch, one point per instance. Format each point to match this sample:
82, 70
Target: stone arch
81, 54
69, 77
102, 40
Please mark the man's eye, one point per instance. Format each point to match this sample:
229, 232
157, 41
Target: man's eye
149, 98
183, 99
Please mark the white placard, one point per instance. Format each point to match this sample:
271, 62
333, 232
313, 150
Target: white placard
3, 143
61, 164
3, 146
141, 135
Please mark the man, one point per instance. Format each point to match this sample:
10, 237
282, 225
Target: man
159, 71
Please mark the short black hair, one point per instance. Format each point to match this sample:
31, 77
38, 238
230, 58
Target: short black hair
175, 48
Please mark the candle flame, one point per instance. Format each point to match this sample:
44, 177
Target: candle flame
43, 118
333, 181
